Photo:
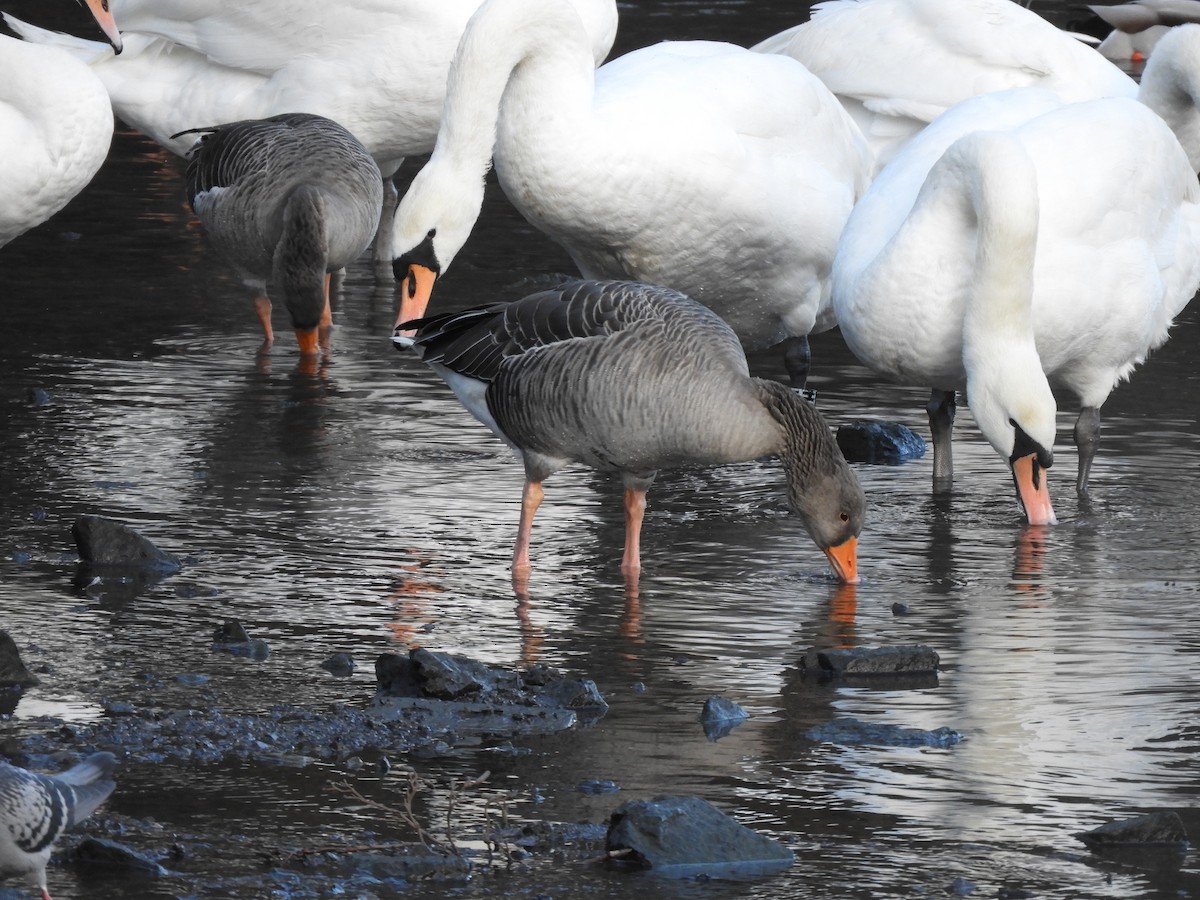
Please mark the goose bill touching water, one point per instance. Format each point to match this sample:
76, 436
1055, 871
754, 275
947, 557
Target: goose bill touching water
288, 200
628, 377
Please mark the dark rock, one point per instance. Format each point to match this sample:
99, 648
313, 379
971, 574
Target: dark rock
102, 852
720, 716
888, 443
396, 676
341, 664
872, 660
900, 609
37, 396
450, 677
855, 731
407, 864
960, 886
688, 835
13, 673
107, 542
578, 694
1156, 828
232, 637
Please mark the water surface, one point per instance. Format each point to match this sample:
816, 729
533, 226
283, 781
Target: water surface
359, 508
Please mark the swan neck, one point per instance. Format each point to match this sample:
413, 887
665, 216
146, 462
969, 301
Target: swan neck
1170, 86
501, 60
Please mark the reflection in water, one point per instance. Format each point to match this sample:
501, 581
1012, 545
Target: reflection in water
354, 505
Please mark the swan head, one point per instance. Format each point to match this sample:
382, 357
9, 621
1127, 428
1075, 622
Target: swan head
1019, 422
104, 18
433, 221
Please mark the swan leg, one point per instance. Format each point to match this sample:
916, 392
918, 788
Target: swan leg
382, 248
941, 423
262, 308
635, 510
797, 359
531, 499
1087, 439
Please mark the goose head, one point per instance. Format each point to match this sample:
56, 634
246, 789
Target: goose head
433, 221
822, 489
832, 509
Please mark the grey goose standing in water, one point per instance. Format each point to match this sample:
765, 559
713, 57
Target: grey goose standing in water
634, 378
36, 809
289, 200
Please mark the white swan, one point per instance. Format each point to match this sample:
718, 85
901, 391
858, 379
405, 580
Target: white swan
55, 129
898, 64
701, 166
377, 67
1018, 242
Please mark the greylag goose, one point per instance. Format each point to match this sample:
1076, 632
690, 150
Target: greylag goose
57, 126
898, 64
1020, 242
634, 378
722, 173
288, 199
36, 809
377, 68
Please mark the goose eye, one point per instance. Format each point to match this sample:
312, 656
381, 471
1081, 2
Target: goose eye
844, 516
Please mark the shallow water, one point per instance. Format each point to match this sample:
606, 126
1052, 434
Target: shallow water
359, 508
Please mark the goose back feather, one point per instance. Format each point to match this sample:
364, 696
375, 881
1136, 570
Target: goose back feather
287, 199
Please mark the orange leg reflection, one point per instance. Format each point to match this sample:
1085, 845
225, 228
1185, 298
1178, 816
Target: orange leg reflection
410, 597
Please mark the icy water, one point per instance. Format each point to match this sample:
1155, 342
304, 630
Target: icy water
358, 508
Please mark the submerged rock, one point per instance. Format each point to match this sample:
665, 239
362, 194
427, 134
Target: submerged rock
888, 443
107, 542
1156, 828
901, 660
720, 716
340, 664
102, 852
231, 637
444, 676
689, 835
13, 674
856, 731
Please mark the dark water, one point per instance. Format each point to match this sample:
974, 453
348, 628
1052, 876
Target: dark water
359, 508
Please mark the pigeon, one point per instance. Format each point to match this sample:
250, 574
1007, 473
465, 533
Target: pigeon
35, 809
